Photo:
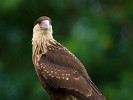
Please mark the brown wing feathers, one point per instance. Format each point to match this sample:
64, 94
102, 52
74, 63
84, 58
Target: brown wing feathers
59, 68
60, 77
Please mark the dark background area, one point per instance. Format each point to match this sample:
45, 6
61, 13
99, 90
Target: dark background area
98, 32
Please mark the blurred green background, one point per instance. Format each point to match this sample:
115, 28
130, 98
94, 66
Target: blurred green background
98, 32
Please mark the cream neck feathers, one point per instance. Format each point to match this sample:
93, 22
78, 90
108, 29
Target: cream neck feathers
40, 41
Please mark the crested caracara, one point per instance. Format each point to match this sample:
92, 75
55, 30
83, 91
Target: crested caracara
62, 75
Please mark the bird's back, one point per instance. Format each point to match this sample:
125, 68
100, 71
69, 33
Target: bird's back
65, 76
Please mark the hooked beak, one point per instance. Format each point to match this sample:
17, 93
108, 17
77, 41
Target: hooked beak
45, 24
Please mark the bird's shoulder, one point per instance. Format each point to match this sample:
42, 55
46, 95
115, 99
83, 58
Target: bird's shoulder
60, 55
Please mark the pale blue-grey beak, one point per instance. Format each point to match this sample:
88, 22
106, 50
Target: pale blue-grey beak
45, 24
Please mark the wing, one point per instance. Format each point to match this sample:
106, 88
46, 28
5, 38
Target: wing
61, 69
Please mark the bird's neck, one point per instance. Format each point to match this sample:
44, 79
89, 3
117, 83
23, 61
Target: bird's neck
40, 42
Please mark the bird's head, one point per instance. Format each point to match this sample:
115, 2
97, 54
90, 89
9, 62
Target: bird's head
43, 25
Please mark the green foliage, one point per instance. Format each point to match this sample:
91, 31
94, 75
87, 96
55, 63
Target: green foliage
98, 32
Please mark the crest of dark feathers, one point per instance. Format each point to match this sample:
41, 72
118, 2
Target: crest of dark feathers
41, 19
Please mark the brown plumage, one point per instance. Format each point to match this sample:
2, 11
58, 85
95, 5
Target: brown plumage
62, 75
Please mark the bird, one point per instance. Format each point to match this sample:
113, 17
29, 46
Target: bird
60, 72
